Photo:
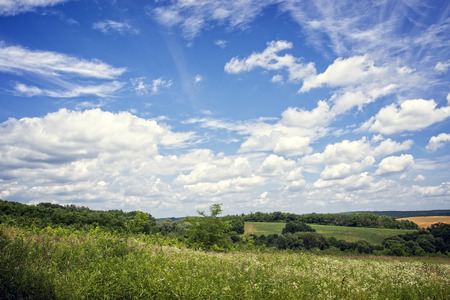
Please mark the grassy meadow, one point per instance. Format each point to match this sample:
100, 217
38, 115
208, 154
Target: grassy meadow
350, 234
425, 222
68, 264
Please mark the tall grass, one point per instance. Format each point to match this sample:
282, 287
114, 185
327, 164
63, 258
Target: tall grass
60, 264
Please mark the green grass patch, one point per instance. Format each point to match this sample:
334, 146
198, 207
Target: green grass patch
350, 234
59, 264
375, 236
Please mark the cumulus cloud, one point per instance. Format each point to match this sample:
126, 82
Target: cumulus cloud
109, 27
216, 170
434, 190
232, 185
91, 155
353, 182
348, 71
15, 7
344, 170
348, 151
270, 60
411, 115
439, 141
394, 164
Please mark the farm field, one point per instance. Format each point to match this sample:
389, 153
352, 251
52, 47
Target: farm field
425, 222
65, 264
350, 234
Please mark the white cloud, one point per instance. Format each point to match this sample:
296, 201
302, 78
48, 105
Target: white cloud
442, 66
274, 165
419, 178
394, 164
343, 72
15, 59
66, 154
277, 78
198, 78
318, 117
354, 151
217, 170
353, 182
194, 16
109, 27
101, 90
292, 146
159, 83
233, 185
60, 75
437, 142
143, 87
14, 7
221, 43
344, 170
412, 115
434, 190
270, 60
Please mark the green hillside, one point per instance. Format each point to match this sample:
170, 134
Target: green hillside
350, 234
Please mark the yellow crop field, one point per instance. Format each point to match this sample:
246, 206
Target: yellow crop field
425, 222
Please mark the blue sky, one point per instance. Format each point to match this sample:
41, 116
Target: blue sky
170, 106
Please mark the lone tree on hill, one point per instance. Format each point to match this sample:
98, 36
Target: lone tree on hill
296, 226
209, 232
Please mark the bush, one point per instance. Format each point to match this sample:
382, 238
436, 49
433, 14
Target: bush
296, 226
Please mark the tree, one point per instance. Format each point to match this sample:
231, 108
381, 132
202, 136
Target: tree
209, 232
296, 226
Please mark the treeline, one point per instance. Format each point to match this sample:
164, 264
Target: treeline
299, 236
407, 214
210, 232
77, 217
349, 220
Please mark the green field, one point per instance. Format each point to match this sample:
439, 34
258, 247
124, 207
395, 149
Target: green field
350, 234
67, 264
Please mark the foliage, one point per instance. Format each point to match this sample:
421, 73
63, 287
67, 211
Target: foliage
209, 232
96, 264
435, 239
374, 236
236, 222
349, 220
295, 226
48, 214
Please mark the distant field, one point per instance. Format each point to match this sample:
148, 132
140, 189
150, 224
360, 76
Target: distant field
350, 234
425, 222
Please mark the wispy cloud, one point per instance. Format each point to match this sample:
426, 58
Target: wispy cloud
269, 59
194, 16
72, 91
143, 87
17, 59
15, 7
110, 27
221, 43
55, 69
